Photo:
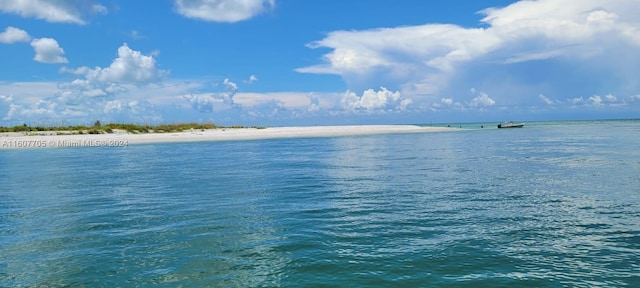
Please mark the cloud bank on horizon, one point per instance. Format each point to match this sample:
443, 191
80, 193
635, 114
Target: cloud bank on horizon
537, 59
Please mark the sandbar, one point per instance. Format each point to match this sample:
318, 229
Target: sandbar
19, 140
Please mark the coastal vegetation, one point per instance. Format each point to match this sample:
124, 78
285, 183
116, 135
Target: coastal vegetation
99, 128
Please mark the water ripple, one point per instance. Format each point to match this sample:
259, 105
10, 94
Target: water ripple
544, 206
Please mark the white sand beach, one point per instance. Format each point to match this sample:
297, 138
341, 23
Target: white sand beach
19, 140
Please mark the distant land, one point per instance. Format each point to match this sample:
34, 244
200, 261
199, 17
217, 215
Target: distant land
99, 128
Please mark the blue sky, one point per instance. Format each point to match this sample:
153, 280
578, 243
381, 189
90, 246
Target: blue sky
292, 62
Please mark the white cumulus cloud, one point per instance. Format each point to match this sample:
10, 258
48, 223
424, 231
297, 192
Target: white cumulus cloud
202, 103
222, 10
482, 100
611, 98
595, 100
130, 67
122, 90
430, 59
251, 79
598, 101
231, 90
12, 35
65, 11
371, 100
48, 51
206, 102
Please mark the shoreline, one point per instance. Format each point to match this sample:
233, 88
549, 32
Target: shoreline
20, 140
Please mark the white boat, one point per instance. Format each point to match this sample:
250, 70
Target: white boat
510, 124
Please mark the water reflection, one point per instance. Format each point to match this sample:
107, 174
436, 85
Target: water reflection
135, 218
477, 208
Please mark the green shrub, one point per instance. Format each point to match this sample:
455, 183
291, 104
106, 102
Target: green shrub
99, 128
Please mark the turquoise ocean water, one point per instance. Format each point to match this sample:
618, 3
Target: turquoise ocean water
550, 205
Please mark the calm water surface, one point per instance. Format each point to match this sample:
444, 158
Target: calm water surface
548, 205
